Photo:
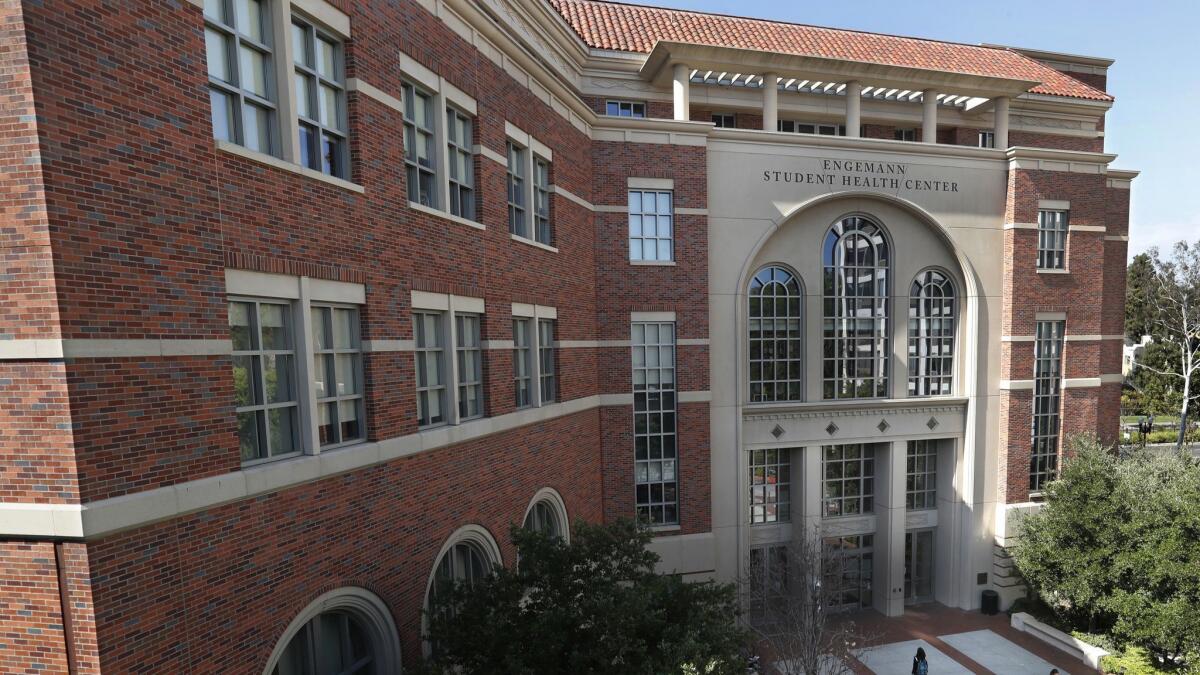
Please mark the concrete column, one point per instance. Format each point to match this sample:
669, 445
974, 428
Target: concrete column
891, 472
854, 109
1001, 123
810, 492
770, 102
929, 117
682, 89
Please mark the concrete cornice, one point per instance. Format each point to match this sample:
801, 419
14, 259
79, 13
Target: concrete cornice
90, 348
825, 409
875, 145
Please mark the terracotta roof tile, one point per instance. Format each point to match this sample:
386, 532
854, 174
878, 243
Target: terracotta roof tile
636, 28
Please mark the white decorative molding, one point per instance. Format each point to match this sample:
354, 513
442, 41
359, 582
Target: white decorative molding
1112, 378
371, 91
1054, 204
1081, 382
530, 242
651, 316
98, 348
277, 163
384, 346
571, 196
488, 153
776, 412
444, 215
1016, 385
1086, 228
635, 183
1020, 226
1116, 237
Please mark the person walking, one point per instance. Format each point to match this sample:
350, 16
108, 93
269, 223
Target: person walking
920, 665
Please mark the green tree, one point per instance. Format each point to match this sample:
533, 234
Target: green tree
1066, 550
1157, 383
1116, 549
1139, 297
593, 606
1174, 293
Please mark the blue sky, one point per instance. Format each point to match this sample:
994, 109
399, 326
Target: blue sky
1154, 126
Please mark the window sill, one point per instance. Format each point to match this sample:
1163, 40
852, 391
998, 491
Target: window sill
446, 216
652, 263
1050, 271
272, 161
663, 529
247, 464
533, 243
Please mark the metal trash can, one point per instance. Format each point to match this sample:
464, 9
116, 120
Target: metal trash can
990, 604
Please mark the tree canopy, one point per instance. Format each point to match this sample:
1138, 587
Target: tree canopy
1116, 548
596, 606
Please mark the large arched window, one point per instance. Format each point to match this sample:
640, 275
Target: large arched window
467, 557
855, 289
776, 336
547, 513
931, 313
348, 631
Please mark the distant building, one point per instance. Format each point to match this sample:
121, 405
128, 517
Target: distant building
1132, 353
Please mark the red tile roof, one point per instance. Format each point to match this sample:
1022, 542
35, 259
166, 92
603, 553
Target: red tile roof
636, 28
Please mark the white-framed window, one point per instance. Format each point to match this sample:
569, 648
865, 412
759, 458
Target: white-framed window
724, 120
297, 364
547, 361
343, 631
820, 129
849, 479
651, 225
987, 139
547, 513
931, 318
1052, 239
921, 487
906, 135
266, 392
469, 351
321, 99
461, 168
1047, 403
620, 108
518, 205
420, 145
429, 332
654, 434
469, 556
856, 332
522, 362
542, 232
240, 47
337, 374
776, 336
770, 486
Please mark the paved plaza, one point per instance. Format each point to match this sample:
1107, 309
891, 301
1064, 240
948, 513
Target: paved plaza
956, 642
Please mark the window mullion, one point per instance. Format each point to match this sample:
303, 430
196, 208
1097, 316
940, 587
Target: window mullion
304, 348
285, 67
451, 355
441, 140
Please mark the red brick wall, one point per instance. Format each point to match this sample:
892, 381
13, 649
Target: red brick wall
213, 591
32, 639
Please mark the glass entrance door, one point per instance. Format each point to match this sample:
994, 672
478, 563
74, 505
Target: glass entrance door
918, 566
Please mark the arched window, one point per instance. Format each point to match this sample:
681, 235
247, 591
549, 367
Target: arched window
333, 643
855, 289
347, 631
931, 314
464, 563
547, 513
467, 557
776, 336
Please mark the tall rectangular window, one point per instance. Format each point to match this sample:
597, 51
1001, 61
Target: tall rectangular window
522, 363
320, 99
518, 222
469, 351
461, 171
541, 201
615, 108
651, 225
768, 581
850, 570
546, 361
1052, 240
241, 80
655, 453
264, 379
420, 146
921, 480
987, 139
849, 479
337, 375
429, 332
770, 486
1047, 399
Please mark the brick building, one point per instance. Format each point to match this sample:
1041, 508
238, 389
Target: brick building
306, 301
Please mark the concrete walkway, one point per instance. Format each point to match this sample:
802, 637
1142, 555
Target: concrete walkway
955, 642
